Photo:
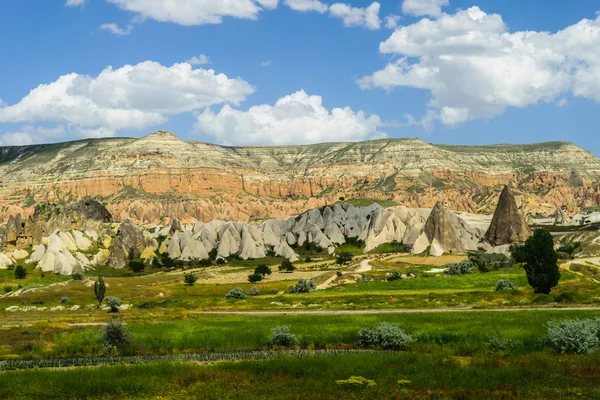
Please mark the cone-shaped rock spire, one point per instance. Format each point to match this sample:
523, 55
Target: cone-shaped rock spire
508, 225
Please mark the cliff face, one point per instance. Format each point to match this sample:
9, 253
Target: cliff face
160, 176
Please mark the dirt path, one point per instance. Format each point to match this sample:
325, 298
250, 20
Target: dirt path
328, 283
395, 311
364, 266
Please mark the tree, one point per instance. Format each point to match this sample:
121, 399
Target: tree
255, 278
518, 253
99, 290
263, 270
20, 272
189, 279
540, 261
287, 266
344, 257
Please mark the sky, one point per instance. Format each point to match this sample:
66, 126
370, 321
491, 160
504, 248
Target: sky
279, 72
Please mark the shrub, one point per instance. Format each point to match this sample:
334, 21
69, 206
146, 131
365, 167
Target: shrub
275, 291
464, 267
7, 289
386, 336
115, 334
114, 303
356, 382
339, 273
497, 343
77, 277
236, 293
287, 266
344, 257
281, 336
567, 297
137, 266
254, 278
221, 261
292, 289
504, 284
308, 259
99, 290
574, 336
263, 270
20, 272
305, 285
364, 279
543, 298
254, 291
393, 276
487, 262
190, 279
64, 299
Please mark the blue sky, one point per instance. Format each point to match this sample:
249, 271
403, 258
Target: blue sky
458, 72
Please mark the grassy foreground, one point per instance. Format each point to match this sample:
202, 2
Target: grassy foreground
398, 376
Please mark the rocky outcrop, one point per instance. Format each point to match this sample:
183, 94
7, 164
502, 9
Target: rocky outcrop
438, 234
508, 224
161, 176
129, 239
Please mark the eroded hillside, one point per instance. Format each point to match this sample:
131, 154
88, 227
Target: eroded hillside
161, 176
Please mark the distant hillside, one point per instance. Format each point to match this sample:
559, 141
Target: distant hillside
161, 176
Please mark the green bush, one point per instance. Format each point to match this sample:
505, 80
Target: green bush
281, 336
255, 278
393, 276
77, 277
263, 270
7, 289
275, 291
114, 303
574, 336
254, 291
292, 289
221, 261
497, 343
137, 266
287, 266
543, 299
64, 299
190, 279
386, 336
344, 257
20, 272
464, 267
339, 273
115, 334
504, 284
236, 293
567, 297
305, 285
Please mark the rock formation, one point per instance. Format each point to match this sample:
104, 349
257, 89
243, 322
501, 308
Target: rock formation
129, 239
160, 176
508, 224
438, 234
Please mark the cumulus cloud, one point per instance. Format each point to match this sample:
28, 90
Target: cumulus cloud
74, 3
130, 97
199, 60
116, 29
29, 134
307, 5
417, 8
475, 68
392, 21
354, 16
294, 119
195, 12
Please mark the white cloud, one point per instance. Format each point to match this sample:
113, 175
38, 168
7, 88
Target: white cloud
195, 12
74, 3
475, 68
131, 97
267, 63
199, 60
29, 134
116, 29
392, 21
294, 119
562, 102
353, 16
417, 8
307, 5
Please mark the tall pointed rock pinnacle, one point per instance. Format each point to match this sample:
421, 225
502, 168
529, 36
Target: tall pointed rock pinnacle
508, 225
440, 233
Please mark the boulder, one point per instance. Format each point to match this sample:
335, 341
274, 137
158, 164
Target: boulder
129, 238
19, 255
82, 242
38, 252
508, 224
5, 262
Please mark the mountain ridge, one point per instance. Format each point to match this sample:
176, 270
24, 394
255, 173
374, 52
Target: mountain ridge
161, 176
